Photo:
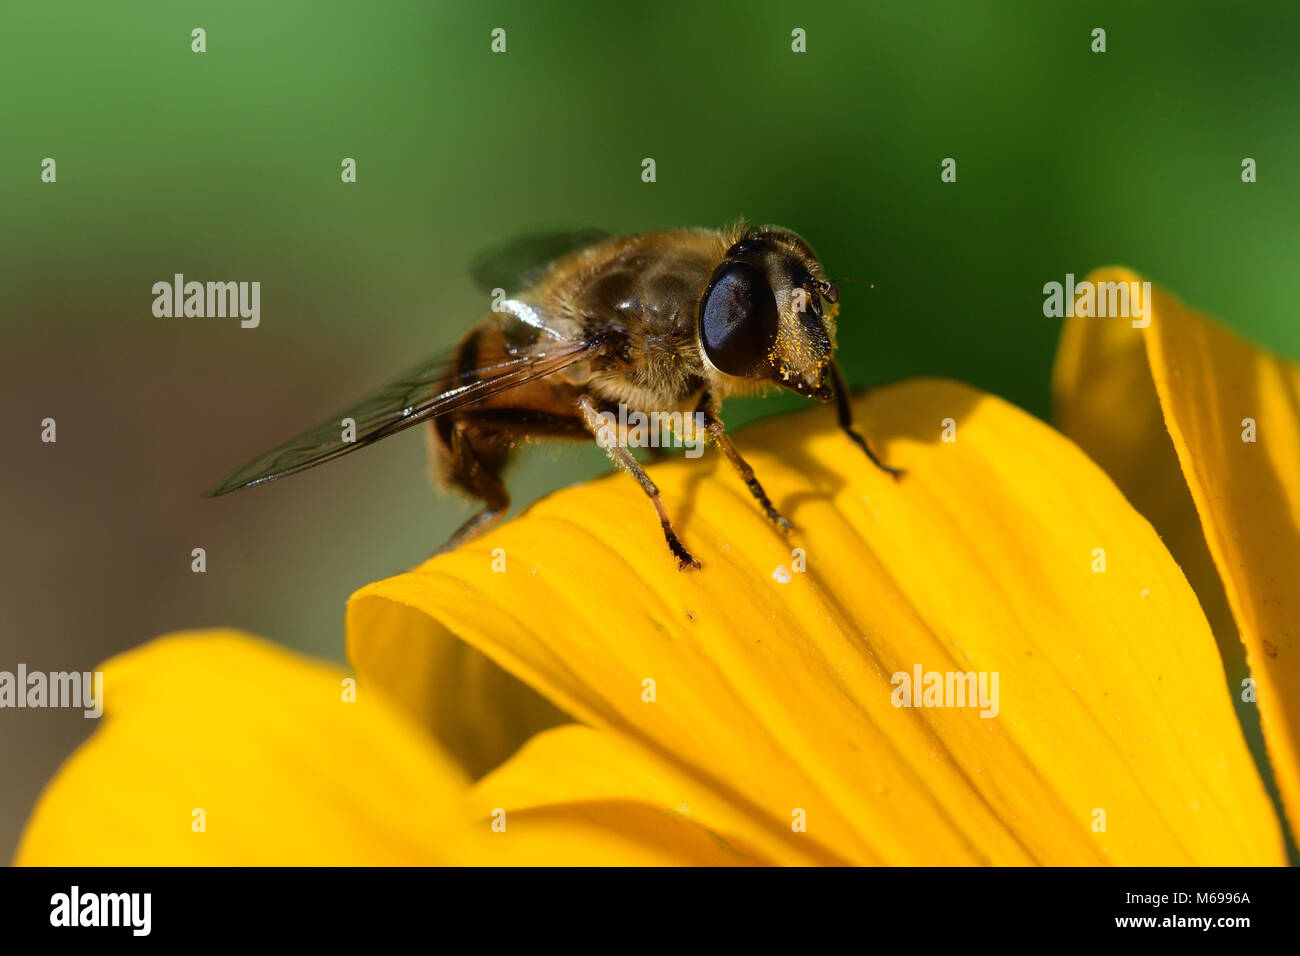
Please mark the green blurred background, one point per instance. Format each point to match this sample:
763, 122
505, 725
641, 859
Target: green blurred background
225, 166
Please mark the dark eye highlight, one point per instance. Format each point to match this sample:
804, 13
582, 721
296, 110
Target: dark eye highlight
738, 320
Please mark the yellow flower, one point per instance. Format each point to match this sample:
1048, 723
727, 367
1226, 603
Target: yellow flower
559, 692
1218, 475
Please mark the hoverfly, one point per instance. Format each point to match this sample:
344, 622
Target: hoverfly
667, 321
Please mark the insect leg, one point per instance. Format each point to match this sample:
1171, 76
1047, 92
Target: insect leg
621, 457
713, 424
845, 411
480, 480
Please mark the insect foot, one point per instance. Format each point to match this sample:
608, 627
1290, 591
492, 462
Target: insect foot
684, 558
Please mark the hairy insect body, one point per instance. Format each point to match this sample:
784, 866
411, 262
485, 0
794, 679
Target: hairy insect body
664, 323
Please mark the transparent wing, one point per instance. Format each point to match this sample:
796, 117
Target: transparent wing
424, 392
515, 264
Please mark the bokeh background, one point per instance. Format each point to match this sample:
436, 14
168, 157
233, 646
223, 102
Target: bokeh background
225, 165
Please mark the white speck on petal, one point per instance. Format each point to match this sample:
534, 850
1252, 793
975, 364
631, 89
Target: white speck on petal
781, 575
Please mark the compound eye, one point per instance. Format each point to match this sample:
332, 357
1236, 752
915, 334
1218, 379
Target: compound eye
738, 320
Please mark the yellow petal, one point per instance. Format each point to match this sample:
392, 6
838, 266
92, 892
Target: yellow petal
579, 796
1106, 402
772, 686
476, 711
283, 770
1209, 381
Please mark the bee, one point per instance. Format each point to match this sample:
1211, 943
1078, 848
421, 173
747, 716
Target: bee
672, 321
